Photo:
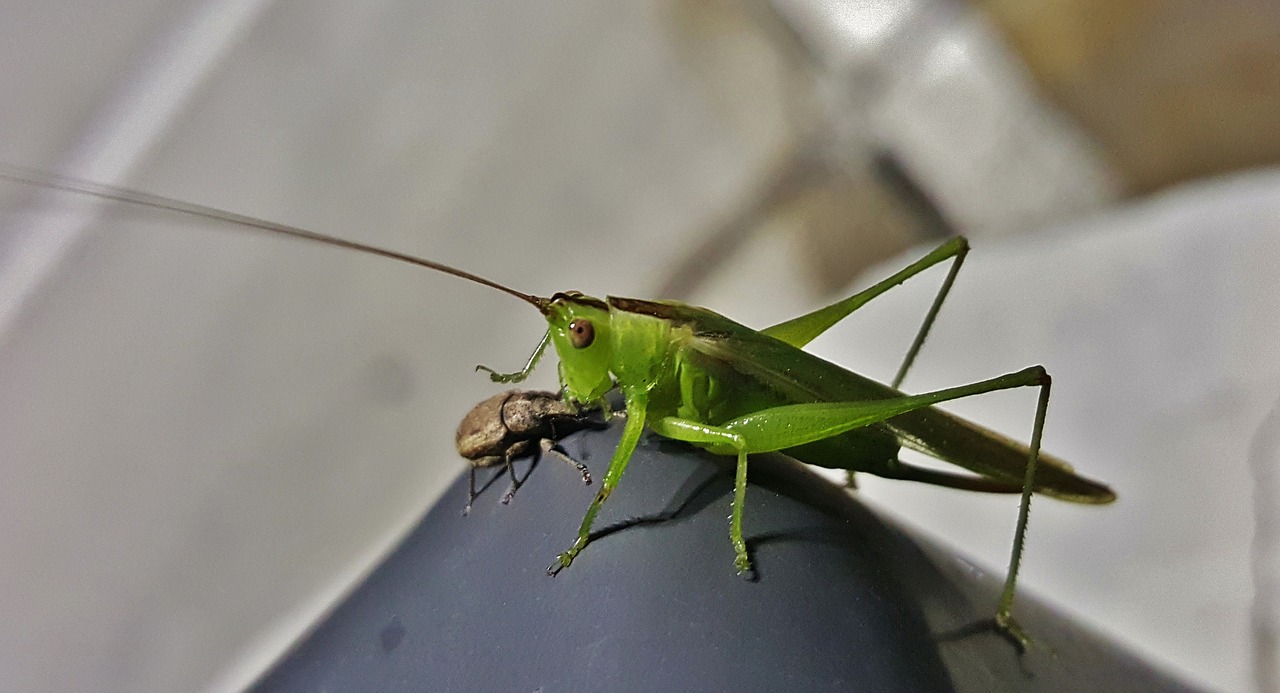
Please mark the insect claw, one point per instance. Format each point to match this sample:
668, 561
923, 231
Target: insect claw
495, 376
1011, 631
562, 562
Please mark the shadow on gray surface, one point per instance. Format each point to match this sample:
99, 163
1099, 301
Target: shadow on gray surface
841, 599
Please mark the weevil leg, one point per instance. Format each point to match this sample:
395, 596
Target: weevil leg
515, 482
471, 492
550, 446
513, 451
523, 373
637, 404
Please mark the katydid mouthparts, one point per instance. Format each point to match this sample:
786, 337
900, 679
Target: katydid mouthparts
693, 375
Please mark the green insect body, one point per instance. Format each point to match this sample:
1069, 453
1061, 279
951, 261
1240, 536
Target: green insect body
693, 375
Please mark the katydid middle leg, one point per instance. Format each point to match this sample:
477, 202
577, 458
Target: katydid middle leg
716, 437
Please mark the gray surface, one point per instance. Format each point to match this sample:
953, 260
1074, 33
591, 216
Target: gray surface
842, 601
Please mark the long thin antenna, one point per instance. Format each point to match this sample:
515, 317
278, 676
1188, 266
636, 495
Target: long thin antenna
141, 199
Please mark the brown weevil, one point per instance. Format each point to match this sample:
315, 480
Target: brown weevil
509, 424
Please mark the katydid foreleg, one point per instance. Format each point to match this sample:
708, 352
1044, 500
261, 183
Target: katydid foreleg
520, 375
636, 408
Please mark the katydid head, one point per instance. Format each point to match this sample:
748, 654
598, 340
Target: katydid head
580, 333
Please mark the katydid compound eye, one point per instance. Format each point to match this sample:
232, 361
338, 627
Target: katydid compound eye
581, 334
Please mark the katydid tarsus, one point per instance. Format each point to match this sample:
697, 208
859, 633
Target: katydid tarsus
512, 423
692, 375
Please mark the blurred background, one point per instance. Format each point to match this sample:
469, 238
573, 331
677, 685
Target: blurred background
206, 434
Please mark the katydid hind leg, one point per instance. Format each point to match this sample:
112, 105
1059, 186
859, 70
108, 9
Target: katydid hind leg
962, 249
1004, 612
792, 425
956, 248
801, 330
636, 406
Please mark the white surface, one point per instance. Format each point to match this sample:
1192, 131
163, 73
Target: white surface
205, 434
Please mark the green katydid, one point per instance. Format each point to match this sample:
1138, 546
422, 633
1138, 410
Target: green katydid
693, 375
